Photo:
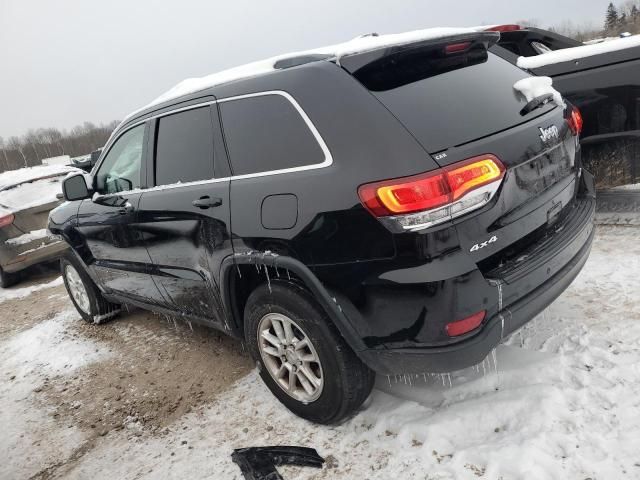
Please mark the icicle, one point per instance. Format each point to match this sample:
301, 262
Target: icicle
266, 271
495, 360
499, 296
238, 269
424, 375
389, 380
410, 384
449, 378
484, 368
442, 378
288, 274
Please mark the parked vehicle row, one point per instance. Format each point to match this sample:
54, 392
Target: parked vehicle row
604, 83
26, 198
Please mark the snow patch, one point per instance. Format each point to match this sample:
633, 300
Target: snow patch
27, 359
13, 177
32, 194
28, 237
13, 293
533, 87
576, 53
631, 186
60, 160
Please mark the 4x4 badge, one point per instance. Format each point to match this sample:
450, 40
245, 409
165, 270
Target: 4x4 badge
548, 133
478, 246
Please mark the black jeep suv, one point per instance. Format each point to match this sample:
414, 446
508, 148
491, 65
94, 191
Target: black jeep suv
399, 210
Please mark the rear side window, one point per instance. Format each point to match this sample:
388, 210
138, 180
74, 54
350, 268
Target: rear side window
266, 133
184, 147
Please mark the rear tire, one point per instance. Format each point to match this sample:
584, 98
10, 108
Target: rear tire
8, 279
84, 294
329, 381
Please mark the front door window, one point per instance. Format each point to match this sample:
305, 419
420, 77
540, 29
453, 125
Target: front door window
120, 170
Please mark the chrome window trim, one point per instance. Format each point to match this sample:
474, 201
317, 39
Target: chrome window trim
328, 158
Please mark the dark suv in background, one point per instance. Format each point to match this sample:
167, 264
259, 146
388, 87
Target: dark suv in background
395, 210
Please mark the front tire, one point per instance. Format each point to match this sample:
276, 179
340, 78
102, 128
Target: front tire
303, 359
84, 294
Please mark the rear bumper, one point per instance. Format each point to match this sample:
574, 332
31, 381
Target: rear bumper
555, 267
20, 261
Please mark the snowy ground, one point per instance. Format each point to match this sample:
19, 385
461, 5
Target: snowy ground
561, 400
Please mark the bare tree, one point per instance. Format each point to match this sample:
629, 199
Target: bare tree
16, 144
4, 153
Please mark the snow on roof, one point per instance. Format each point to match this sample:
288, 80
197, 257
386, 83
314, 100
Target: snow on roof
360, 44
575, 53
13, 177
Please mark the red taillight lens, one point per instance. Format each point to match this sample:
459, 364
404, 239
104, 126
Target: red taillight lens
575, 121
457, 47
6, 220
504, 28
473, 173
431, 190
460, 327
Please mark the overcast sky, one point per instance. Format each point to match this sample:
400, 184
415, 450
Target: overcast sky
66, 61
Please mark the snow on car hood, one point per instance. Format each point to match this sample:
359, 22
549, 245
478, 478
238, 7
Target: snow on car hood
575, 53
14, 177
31, 194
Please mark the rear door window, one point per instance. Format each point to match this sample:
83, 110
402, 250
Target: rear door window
184, 147
446, 101
267, 133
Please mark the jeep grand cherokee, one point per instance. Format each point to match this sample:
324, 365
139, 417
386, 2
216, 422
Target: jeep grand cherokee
392, 208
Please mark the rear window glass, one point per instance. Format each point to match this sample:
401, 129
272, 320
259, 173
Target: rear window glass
184, 147
444, 104
267, 133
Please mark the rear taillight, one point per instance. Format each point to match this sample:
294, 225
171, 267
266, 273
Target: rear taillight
460, 327
574, 119
6, 219
421, 201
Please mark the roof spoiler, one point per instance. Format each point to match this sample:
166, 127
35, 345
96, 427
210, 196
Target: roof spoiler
355, 61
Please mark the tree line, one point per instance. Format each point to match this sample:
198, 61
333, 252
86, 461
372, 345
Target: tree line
38, 144
622, 18
618, 18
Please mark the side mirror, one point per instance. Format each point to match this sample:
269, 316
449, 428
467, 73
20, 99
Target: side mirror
75, 188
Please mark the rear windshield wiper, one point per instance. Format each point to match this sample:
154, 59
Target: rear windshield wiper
536, 103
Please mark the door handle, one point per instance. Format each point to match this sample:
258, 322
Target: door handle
207, 202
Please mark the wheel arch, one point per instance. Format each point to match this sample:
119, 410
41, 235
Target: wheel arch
266, 266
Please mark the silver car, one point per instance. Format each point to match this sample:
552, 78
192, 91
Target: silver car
27, 196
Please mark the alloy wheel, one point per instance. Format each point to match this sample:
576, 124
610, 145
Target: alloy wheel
290, 357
